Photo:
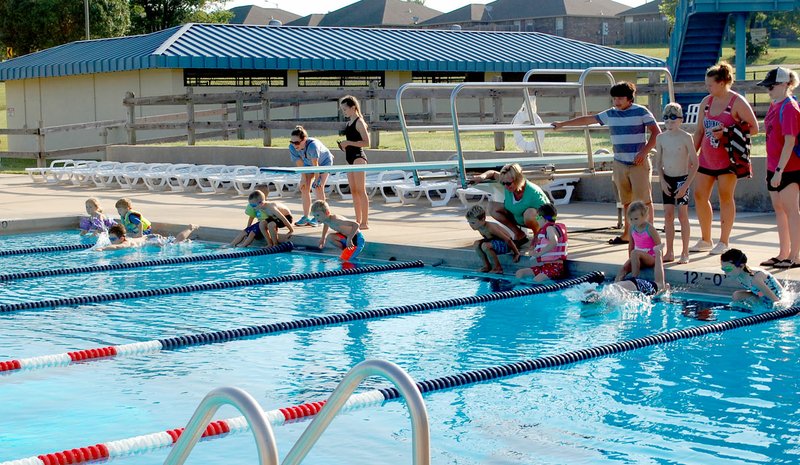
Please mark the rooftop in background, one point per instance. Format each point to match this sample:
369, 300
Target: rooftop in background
649, 8
226, 46
252, 14
379, 13
503, 10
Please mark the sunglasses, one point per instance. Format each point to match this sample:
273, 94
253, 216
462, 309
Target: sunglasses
296, 142
507, 183
671, 117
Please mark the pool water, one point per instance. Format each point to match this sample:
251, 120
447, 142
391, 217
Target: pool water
729, 398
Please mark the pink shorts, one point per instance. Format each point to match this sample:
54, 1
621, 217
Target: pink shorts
553, 270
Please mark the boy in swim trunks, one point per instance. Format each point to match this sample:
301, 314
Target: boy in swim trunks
255, 216
133, 221
347, 231
676, 161
119, 239
495, 240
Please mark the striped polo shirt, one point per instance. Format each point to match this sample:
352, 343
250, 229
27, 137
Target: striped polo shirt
628, 129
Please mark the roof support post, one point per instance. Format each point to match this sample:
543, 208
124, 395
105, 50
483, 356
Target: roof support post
131, 107
265, 108
240, 115
189, 116
40, 157
374, 112
741, 46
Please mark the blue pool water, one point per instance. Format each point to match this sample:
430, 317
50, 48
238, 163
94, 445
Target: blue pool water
729, 398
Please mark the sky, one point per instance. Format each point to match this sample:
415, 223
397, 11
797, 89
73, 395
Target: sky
306, 7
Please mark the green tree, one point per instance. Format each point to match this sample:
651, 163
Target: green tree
155, 15
667, 8
30, 25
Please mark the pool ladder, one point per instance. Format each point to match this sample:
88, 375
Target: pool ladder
262, 431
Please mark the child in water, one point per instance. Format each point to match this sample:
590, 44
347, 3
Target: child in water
495, 240
761, 287
644, 239
97, 222
118, 236
348, 238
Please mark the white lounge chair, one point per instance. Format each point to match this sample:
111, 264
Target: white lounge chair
563, 185
472, 193
442, 189
157, 179
185, 179
40, 174
385, 182
83, 175
105, 176
131, 175
246, 182
286, 184
224, 180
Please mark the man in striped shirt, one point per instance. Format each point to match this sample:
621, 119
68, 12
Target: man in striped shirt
628, 124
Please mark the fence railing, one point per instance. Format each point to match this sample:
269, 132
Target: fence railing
190, 124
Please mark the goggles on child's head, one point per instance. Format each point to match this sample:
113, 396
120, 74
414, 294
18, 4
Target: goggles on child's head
728, 267
672, 117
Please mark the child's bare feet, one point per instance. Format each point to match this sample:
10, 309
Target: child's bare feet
497, 270
364, 226
484, 269
684, 259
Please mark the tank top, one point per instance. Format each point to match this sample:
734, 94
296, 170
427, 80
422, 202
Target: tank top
713, 155
560, 251
351, 133
642, 241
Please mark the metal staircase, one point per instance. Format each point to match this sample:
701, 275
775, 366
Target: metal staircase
696, 40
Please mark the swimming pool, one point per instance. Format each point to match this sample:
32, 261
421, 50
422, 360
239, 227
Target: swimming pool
725, 398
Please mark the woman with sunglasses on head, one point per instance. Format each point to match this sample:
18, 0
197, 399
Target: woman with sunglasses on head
722, 108
521, 201
782, 126
761, 286
306, 151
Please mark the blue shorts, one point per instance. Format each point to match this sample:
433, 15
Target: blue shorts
358, 241
500, 246
253, 229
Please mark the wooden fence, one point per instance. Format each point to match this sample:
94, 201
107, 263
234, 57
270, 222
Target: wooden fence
229, 118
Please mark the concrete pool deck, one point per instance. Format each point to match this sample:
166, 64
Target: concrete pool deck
436, 235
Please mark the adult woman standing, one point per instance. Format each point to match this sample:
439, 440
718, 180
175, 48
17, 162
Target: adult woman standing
306, 151
356, 138
720, 109
521, 201
782, 125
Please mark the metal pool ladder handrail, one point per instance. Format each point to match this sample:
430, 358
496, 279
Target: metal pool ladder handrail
420, 429
244, 402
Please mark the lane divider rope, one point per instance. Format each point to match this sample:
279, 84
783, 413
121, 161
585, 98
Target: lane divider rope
284, 247
140, 444
49, 248
173, 343
87, 299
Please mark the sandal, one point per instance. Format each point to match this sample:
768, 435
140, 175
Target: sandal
617, 241
785, 264
771, 262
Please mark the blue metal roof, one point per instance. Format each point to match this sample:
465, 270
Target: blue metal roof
229, 46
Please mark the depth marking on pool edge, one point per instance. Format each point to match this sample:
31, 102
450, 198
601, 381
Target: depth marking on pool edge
144, 443
155, 346
87, 299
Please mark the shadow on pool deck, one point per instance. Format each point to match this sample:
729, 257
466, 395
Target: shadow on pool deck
437, 235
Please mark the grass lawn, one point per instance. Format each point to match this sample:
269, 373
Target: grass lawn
3, 122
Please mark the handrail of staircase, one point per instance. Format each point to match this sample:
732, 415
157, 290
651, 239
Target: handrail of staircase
242, 401
681, 17
420, 429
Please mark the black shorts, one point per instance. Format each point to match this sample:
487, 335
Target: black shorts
714, 173
789, 177
351, 157
675, 183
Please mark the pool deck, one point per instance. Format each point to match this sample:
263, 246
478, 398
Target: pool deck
436, 235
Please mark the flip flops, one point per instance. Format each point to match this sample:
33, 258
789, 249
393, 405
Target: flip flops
771, 262
617, 241
786, 264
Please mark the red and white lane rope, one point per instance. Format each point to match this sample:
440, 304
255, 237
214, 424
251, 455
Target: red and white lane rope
63, 359
149, 442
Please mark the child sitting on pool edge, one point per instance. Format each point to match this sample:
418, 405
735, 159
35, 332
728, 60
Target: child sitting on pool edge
133, 221
263, 217
495, 240
119, 239
97, 222
549, 248
348, 238
644, 239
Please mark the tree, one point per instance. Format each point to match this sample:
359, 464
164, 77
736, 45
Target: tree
155, 15
667, 8
30, 25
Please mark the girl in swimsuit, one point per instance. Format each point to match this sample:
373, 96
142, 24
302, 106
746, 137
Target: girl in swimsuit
761, 287
357, 137
645, 238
